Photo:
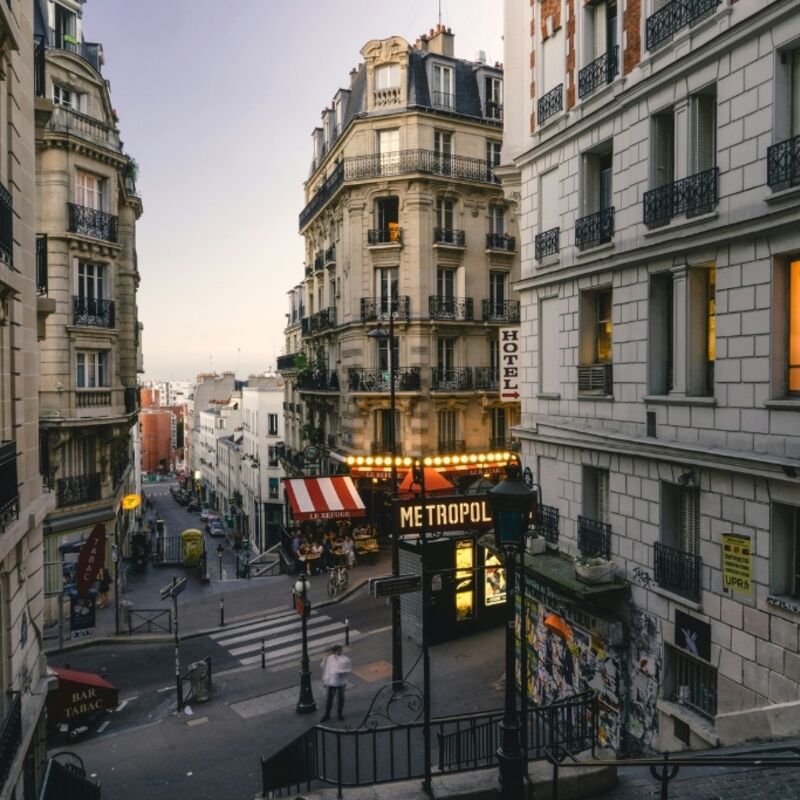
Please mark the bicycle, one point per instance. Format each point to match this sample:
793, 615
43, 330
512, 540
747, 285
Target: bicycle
338, 579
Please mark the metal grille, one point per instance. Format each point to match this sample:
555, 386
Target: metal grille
329, 187
595, 379
392, 235
323, 320
453, 308
487, 378
594, 229
594, 537
546, 243
9, 490
602, 70
667, 21
678, 570
456, 379
548, 523
92, 311
550, 103
693, 682
783, 162
330, 255
697, 194
501, 310
501, 241
319, 261
377, 380
78, 489
378, 308
286, 362
319, 380
94, 223
449, 236
443, 99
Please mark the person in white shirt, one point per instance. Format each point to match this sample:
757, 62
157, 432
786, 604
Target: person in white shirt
334, 676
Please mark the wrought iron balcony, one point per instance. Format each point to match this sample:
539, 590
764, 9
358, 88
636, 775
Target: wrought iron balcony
698, 677
330, 255
783, 162
383, 447
596, 379
132, 402
449, 236
305, 326
404, 162
451, 446
319, 261
601, 71
309, 270
487, 379
377, 308
548, 523
320, 321
501, 241
6, 227
321, 380
41, 264
9, 490
500, 310
594, 229
385, 236
546, 243
286, 362
443, 99
594, 537
94, 223
39, 83
325, 192
10, 736
450, 308
677, 571
697, 194
78, 489
454, 379
549, 104
494, 110
92, 398
667, 21
406, 379
92, 311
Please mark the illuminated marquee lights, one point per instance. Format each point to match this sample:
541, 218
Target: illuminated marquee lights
449, 461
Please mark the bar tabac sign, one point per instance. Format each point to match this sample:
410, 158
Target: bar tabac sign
448, 513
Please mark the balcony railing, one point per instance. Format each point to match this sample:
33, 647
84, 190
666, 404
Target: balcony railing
678, 571
501, 241
449, 236
9, 490
693, 682
132, 403
309, 270
783, 162
494, 110
10, 736
92, 311
383, 447
330, 255
320, 321
450, 308
500, 310
451, 446
487, 379
502, 443
594, 537
41, 264
596, 379
694, 195
594, 229
377, 308
443, 99
406, 379
319, 380
550, 103
39, 83
6, 227
325, 192
94, 223
319, 261
601, 71
454, 379
667, 21
546, 243
286, 362
78, 489
92, 398
392, 235
548, 523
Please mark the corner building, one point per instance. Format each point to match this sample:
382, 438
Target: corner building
656, 147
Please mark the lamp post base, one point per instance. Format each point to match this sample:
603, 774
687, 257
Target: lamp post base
306, 704
511, 773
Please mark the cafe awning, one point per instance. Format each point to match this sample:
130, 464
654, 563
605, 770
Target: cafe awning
334, 497
79, 695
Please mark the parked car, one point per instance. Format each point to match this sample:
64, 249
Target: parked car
204, 514
194, 505
211, 518
217, 527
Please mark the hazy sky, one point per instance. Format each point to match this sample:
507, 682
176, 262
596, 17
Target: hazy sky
217, 101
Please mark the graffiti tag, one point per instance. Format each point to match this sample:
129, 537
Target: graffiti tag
642, 576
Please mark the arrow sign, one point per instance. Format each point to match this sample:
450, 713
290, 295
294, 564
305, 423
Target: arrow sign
173, 589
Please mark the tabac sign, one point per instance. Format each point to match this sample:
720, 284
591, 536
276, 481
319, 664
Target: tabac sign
449, 513
509, 364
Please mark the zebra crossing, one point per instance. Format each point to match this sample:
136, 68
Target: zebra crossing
282, 637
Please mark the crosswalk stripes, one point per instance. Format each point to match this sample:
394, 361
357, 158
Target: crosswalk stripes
282, 637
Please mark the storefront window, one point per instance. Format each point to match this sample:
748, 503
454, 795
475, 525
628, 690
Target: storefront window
465, 588
494, 591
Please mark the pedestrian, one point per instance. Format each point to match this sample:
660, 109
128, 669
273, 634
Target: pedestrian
103, 585
334, 676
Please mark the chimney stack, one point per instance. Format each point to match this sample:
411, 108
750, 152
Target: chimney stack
441, 41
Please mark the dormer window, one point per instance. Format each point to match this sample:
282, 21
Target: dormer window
62, 96
442, 96
494, 98
387, 77
66, 29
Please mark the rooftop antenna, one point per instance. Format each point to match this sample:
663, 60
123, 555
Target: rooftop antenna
440, 12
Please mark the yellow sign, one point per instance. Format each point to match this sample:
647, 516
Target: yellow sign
131, 501
737, 563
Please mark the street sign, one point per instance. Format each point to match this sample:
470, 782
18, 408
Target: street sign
173, 589
388, 586
509, 361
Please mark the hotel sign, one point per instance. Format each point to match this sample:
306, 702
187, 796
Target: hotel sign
450, 513
509, 364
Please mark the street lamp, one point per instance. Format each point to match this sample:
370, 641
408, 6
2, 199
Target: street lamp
511, 504
397, 634
306, 704
220, 551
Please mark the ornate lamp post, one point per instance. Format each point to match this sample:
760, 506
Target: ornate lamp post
306, 704
397, 635
511, 503
220, 551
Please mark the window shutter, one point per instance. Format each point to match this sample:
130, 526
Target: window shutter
554, 64
704, 129
602, 495
549, 354
549, 192
590, 195
599, 30
663, 149
689, 533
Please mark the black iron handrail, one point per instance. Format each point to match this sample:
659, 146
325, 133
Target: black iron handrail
94, 223
667, 21
594, 537
452, 379
450, 308
494, 110
594, 229
501, 241
378, 308
407, 379
677, 570
9, 489
550, 104
443, 99
286, 362
546, 243
319, 380
94, 311
548, 523
487, 378
41, 264
319, 261
392, 235
67, 782
10, 736
6, 227
696, 194
78, 489
323, 320
330, 254
602, 70
325, 192
783, 162
500, 310
453, 236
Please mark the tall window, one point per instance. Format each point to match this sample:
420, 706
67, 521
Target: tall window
596, 327
663, 160
91, 281
549, 352
595, 494
445, 283
498, 421
62, 96
497, 219
389, 151
383, 430
704, 131
444, 213
65, 29
446, 352
493, 151
497, 291
91, 369
680, 517
89, 190
386, 287
443, 151
600, 34
383, 353
387, 77
442, 86
494, 98
387, 215
272, 424
274, 486
494, 355
785, 550
447, 429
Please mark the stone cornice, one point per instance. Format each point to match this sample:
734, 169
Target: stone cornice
76, 144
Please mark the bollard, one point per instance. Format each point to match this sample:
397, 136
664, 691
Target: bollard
347, 631
222, 612
263, 655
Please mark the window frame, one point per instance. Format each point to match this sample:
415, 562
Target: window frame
446, 96
101, 369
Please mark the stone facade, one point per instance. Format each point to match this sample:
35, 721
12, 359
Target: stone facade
658, 399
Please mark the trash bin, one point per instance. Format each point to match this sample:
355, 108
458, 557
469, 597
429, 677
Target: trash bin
124, 612
200, 680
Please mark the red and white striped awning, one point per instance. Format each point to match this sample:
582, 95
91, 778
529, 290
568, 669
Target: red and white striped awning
324, 498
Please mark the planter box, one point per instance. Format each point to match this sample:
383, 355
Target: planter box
536, 545
595, 573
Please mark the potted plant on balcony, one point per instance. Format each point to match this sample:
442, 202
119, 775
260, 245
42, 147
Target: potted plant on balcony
594, 569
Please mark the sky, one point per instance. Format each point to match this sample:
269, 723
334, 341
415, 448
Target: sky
216, 102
